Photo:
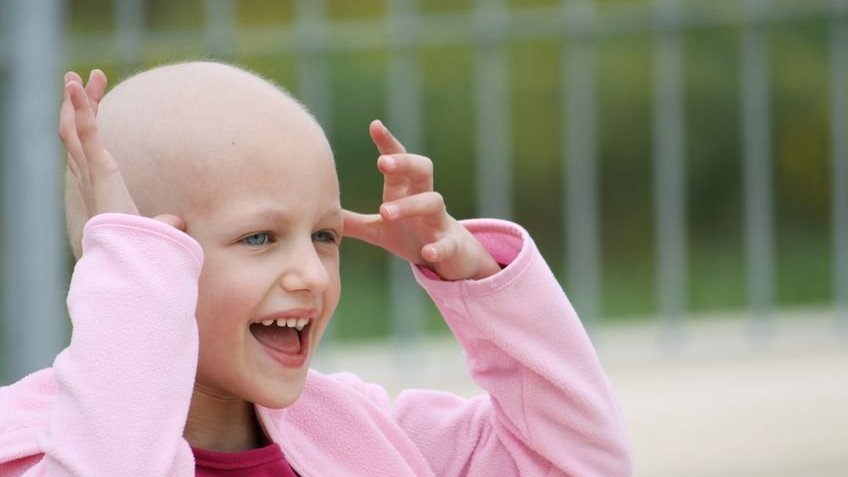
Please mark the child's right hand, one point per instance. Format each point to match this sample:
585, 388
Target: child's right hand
98, 178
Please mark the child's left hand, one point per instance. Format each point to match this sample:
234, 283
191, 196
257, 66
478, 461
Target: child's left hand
413, 222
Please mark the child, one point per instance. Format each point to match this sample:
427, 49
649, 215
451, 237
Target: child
193, 330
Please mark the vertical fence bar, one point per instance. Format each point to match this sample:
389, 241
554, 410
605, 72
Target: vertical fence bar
669, 169
314, 89
313, 72
581, 162
3, 40
759, 208
220, 28
491, 105
33, 242
129, 34
839, 152
404, 118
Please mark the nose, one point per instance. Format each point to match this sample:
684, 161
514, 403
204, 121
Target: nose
305, 271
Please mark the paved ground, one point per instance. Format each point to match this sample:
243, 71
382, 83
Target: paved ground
728, 403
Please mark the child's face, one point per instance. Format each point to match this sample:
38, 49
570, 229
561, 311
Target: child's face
252, 176
270, 235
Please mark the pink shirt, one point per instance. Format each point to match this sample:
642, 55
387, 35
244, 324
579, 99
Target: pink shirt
116, 400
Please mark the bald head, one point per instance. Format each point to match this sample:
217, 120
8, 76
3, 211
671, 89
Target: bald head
175, 130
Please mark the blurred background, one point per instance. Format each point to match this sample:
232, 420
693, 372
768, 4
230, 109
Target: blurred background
682, 165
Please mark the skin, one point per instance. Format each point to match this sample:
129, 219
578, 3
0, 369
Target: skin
241, 167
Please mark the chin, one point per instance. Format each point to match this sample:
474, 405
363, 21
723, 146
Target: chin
278, 397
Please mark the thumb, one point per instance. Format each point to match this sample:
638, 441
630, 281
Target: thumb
365, 227
172, 220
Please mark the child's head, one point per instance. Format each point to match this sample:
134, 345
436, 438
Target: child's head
251, 174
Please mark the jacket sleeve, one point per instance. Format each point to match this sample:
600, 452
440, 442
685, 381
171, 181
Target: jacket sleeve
124, 384
549, 410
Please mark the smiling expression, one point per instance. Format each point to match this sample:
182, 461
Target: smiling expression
252, 175
271, 257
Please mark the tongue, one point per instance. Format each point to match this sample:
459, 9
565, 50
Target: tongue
282, 339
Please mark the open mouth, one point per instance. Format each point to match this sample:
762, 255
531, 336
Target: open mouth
286, 340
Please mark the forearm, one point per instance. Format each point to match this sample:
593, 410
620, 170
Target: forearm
525, 345
125, 381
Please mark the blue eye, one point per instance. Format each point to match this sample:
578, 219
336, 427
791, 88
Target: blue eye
257, 239
325, 236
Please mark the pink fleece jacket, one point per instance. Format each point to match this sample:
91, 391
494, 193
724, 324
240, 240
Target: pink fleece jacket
116, 399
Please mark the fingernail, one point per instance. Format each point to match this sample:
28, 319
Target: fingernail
67, 77
388, 210
388, 161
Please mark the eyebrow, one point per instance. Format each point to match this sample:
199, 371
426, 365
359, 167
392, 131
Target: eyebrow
272, 215
277, 215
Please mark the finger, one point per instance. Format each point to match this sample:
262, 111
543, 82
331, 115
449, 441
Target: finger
72, 165
416, 169
172, 220
440, 250
365, 227
98, 159
68, 133
96, 88
384, 140
72, 76
429, 206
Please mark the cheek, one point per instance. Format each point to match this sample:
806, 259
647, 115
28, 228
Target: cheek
226, 294
334, 286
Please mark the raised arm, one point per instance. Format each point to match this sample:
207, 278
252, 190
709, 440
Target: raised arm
549, 408
117, 398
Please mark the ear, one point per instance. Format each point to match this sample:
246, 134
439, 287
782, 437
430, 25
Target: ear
172, 220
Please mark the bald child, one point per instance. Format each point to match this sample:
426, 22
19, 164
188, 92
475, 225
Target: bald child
203, 209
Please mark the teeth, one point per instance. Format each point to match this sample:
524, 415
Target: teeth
297, 323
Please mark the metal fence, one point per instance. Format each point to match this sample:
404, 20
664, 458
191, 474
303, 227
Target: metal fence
34, 49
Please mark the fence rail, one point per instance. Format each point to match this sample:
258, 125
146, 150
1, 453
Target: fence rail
310, 31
